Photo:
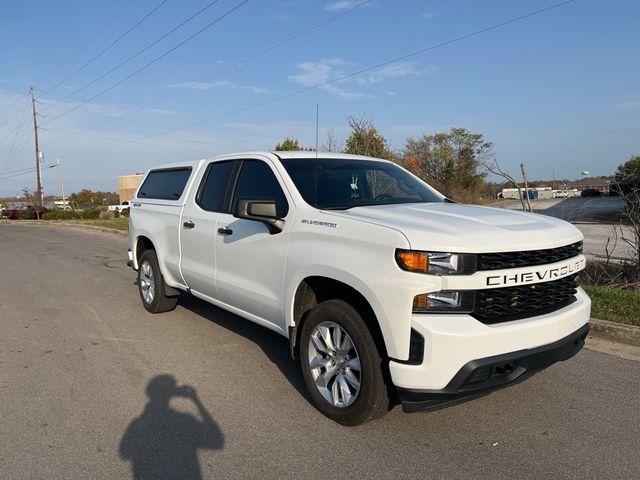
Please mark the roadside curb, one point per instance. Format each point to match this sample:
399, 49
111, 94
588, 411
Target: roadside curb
124, 233
615, 332
60, 224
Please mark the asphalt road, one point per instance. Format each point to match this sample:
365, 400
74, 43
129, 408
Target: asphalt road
572, 209
598, 218
78, 351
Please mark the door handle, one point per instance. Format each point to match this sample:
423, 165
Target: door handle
188, 224
225, 231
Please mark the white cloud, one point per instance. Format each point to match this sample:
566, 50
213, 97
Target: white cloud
429, 15
331, 76
342, 5
220, 84
393, 70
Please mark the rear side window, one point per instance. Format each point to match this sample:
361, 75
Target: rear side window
216, 182
258, 181
165, 184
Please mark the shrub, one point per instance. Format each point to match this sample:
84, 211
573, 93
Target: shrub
29, 214
116, 214
61, 215
90, 213
105, 215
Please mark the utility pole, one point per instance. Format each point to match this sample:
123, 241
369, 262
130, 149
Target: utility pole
64, 200
38, 171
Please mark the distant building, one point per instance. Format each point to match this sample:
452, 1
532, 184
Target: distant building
127, 185
600, 184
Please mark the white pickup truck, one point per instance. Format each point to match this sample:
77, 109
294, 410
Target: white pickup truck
386, 290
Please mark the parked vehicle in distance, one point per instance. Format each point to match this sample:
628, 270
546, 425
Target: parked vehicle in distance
118, 208
385, 291
591, 192
28, 213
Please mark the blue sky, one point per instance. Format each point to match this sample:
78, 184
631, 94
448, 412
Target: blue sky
558, 91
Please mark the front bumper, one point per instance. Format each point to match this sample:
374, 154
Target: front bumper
453, 340
482, 376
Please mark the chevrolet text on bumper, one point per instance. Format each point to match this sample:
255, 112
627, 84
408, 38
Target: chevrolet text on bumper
385, 291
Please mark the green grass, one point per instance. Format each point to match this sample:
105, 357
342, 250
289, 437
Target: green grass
622, 306
121, 223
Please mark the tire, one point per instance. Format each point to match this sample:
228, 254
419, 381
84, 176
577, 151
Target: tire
341, 392
151, 285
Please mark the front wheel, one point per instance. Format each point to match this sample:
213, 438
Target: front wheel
151, 285
341, 365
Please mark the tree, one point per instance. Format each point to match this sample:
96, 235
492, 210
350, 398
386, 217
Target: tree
89, 198
627, 185
288, 144
494, 167
365, 140
627, 175
332, 144
32, 199
449, 161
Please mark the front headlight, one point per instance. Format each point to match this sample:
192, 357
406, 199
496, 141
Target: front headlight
444, 301
436, 263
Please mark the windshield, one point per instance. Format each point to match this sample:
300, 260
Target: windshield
345, 183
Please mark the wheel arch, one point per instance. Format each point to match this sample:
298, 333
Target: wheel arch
144, 243
315, 289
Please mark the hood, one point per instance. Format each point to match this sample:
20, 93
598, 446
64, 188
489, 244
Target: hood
461, 228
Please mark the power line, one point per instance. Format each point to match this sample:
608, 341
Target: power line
224, 70
87, 43
25, 172
147, 65
103, 137
101, 52
10, 116
25, 141
140, 52
344, 77
22, 170
19, 133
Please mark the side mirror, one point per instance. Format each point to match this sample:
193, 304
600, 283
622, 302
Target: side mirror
259, 210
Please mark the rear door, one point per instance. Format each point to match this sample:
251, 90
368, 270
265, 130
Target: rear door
157, 207
198, 226
250, 260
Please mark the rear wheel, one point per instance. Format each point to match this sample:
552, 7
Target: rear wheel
151, 285
341, 365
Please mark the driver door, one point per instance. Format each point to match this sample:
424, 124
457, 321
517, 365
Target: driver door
250, 260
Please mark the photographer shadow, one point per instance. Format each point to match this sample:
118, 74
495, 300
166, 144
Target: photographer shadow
163, 443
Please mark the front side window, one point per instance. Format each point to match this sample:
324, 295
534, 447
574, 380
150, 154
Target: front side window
343, 183
214, 189
257, 181
165, 184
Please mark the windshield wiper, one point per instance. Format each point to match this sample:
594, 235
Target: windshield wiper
339, 207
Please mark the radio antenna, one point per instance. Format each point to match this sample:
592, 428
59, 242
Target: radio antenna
317, 117
316, 180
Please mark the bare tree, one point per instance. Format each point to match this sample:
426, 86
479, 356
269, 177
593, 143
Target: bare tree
627, 185
494, 167
32, 199
332, 144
